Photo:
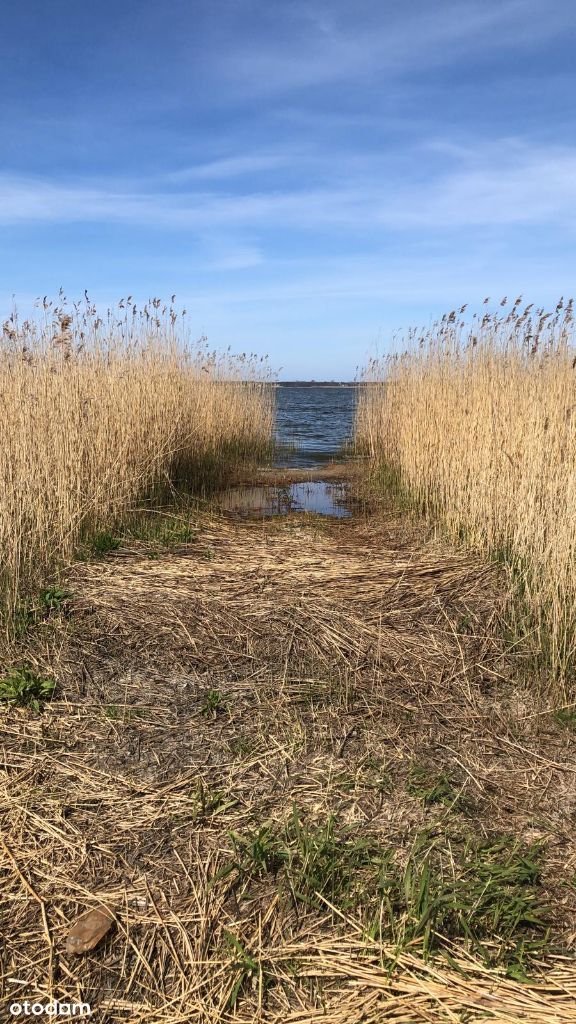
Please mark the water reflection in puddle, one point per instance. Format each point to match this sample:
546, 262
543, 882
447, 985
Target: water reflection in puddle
320, 496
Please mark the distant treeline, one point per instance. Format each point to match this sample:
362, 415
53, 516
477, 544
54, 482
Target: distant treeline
317, 384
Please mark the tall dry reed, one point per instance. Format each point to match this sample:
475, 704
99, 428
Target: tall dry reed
98, 413
476, 419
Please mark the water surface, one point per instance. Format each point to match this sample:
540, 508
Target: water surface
323, 497
313, 425
316, 421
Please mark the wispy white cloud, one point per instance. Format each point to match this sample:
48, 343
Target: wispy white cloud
501, 184
229, 254
228, 167
332, 42
26, 200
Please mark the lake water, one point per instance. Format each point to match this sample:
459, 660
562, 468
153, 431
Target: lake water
317, 421
323, 497
313, 424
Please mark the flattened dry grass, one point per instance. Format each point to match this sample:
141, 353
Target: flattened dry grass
275, 754
99, 414
476, 421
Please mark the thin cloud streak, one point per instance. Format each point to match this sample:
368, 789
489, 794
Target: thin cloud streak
508, 184
228, 167
372, 41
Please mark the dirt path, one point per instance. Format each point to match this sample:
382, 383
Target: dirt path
282, 754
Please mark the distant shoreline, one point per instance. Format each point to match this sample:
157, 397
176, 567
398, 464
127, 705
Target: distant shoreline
317, 384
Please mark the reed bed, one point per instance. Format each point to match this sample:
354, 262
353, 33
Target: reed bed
100, 413
476, 421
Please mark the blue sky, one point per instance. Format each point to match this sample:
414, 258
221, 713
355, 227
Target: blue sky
307, 175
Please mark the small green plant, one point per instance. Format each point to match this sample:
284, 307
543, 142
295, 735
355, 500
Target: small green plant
451, 888
490, 893
431, 789
381, 782
259, 853
242, 746
214, 701
103, 542
29, 612
316, 861
23, 688
326, 861
246, 969
24, 618
212, 801
465, 624
117, 712
54, 599
178, 533
566, 716
163, 529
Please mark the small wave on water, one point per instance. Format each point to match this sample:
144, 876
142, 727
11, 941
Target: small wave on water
313, 423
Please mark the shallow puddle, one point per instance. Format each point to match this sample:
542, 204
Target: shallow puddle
320, 496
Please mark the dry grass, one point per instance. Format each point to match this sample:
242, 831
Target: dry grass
98, 414
253, 732
477, 422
